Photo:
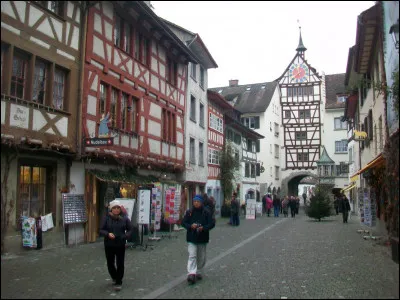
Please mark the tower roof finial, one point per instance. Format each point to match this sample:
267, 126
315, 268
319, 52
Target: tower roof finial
300, 47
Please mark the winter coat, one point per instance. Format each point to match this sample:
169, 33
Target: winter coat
345, 205
120, 226
269, 203
197, 216
234, 207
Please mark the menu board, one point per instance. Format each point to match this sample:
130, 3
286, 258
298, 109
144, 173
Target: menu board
74, 208
144, 197
369, 208
156, 205
172, 204
259, 208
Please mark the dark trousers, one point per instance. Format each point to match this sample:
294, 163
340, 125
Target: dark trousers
293, 212
115, 254
345, 216
235, 220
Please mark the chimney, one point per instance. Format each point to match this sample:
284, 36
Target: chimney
234, 82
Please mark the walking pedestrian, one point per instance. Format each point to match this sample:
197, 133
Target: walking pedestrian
297, 200
292, 205
345, 208
264, 204
304, 198
116, 229
197, 222
269, 204
285, 206
209, 203
235, 211
276, 203
336, 204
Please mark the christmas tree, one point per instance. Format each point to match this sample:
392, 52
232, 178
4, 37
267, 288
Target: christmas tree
320, 204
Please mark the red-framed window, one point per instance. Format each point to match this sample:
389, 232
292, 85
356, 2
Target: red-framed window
142, 48
168, 120
171, 72
113, 107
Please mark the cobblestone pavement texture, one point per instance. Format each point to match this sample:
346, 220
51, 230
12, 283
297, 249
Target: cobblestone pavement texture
295, 258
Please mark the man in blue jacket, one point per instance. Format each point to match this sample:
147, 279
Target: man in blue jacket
198, 223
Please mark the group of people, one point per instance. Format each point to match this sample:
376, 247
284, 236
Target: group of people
342, 205
116, 228
280, 205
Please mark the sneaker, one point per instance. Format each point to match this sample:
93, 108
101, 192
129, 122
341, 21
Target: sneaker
199, 277
191, 279
117, 287
114, 282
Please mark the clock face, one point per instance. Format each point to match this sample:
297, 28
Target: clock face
298, 73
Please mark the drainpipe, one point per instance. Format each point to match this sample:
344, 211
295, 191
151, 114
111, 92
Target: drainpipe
84, 17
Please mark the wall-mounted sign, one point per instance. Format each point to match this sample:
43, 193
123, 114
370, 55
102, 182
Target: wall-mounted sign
360, 135
19, 116
99, 141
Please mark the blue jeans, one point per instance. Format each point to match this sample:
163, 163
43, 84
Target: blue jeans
276, 211
235, 220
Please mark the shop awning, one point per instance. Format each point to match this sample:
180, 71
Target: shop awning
354, 178
352, 186
121, 177
375, 162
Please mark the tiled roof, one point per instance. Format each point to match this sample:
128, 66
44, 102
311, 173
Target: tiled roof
251, 98
334, 85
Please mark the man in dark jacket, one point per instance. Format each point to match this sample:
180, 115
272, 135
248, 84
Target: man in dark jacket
235, 210
116, 229
277, 205
197, 222
345, 206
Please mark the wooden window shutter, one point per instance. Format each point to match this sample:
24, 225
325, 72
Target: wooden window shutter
370, 126
258, 169
258, 146
257, 123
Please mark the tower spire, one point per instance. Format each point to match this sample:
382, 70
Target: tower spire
300, 48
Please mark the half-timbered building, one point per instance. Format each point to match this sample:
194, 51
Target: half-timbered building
135, 82
40, 88
301, 97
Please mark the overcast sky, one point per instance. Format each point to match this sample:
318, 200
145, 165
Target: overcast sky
255, 41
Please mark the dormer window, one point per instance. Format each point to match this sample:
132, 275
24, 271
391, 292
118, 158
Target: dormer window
220, 91
263, 86
248, 88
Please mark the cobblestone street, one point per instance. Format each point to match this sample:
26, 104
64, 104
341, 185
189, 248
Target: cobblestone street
263, 258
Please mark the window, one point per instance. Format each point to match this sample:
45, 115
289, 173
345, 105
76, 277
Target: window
202, 77
142, 48
249, 145
132, 109
171, 71
192, 152
168, 126
257, 145
302, 157
258, 169
276, 129
327, 170
103, 98
229, 135
287, 114
59, 88
19, 73
339, 125
276, 151
113, 107
380, 133
341, 146
193, 70
213, 156
192, 108
251, 122
276, 172
247, 170
216, 123
370, 126
201, 114
305, 113
32, 190
39, 82
253, 171
237, 139
301, 135
56, 7
127, 38
124, 111
3, 53
237, 159
201, 154
341, 99
117, 31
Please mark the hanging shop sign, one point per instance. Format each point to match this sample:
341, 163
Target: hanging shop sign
360, 135
99, 141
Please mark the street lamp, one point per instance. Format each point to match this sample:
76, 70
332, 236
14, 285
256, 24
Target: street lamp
394, 31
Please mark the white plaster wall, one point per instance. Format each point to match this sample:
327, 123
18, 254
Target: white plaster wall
194, 172
331, 135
